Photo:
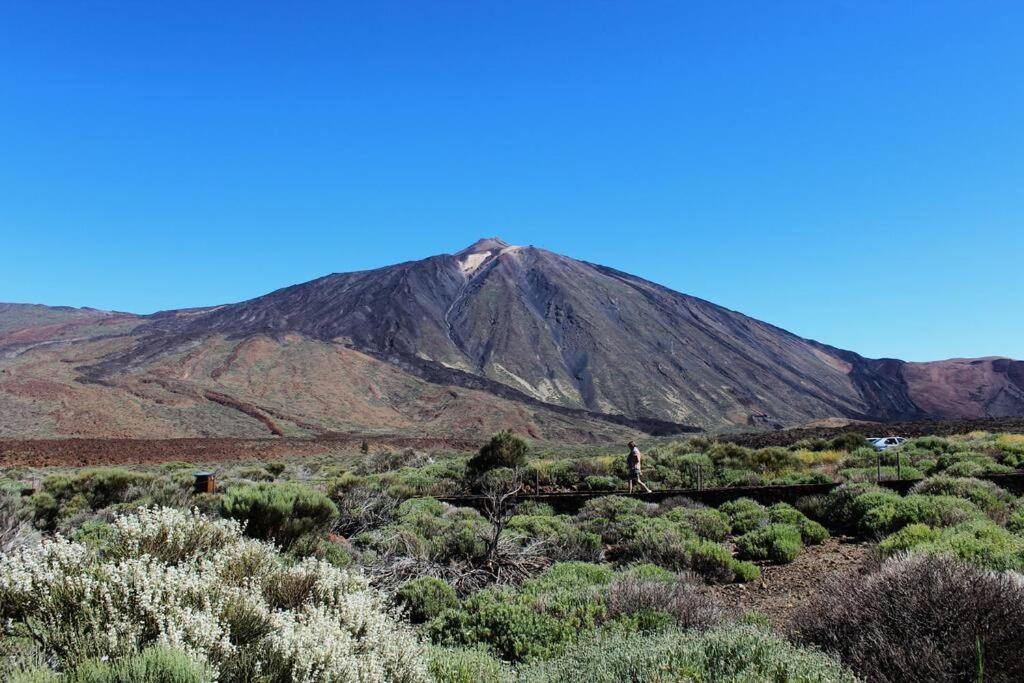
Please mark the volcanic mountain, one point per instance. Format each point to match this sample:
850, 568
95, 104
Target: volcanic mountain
494, 335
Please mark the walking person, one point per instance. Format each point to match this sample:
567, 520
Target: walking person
633, 463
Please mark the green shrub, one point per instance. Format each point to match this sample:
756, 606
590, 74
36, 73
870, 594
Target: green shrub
732, 653
614, 518
847, 441
100, 486
279, 512
715, 563
907, 538
425, 597
745, 514
598, 483
649, 572
731, 477
800, 478
532, 508
512, 631
426, 528
887, 473
505, 449
986, 495
45, 510
158, 664
845, 506
1015, 523
611, 508
775, 543
448, 665
332, 550
706, 523
811, 533
978, 542
730, 456
569, 591
654, 539
890, 516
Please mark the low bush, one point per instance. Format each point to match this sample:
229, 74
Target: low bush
562, 538
844, 507
511, 630
157, 664
886, 473
602, 483
990, 498
716, 564
706, 523
733, 653
424, 598
848, 441
683, 599
980, 542
279, 512
774, 543
614, 518
921, 618
461, 665
811, 533
892, 515
100, 486
745, 514
1015, 520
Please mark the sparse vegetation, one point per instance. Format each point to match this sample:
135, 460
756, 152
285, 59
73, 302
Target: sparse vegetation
507, 592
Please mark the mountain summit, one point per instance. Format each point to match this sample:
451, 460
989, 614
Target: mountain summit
484, 244
556, 341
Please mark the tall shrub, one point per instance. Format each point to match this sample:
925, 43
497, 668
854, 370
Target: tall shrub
279, 512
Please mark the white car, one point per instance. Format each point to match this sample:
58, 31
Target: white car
884, 443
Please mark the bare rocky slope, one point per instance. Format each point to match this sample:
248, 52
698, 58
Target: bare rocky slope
455, 344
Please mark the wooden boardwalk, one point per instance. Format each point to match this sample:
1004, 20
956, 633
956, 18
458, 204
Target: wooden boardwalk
574, 500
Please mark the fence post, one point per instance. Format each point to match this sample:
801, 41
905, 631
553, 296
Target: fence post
899, 468
536, 481
878, 472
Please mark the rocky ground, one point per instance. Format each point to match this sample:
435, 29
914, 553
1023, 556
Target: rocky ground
782, 589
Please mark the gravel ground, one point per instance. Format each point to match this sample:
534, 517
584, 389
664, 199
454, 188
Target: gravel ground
782, 589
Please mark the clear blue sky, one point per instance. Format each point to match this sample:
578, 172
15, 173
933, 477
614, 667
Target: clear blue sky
851, 171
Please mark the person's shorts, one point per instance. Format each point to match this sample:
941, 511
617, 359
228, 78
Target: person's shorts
634, 474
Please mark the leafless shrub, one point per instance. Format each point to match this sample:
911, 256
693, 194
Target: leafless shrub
679, 502
686, 598
510, 563
361, 509
921, 618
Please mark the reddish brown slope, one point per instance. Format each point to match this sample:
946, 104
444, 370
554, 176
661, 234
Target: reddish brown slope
968, 387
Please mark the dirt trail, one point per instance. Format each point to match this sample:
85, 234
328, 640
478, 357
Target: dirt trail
782, 589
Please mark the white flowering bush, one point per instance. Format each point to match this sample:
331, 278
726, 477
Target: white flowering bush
178, 579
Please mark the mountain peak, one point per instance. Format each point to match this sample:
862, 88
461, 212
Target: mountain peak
485, 244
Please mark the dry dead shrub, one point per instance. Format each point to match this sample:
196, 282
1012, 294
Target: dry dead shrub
686, 598
510, 563
921, 618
